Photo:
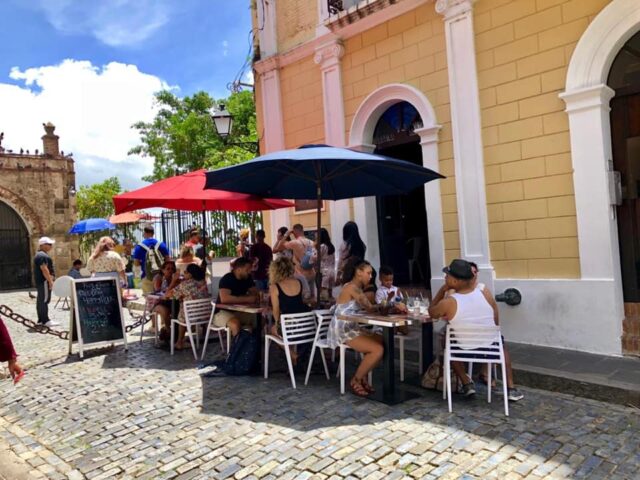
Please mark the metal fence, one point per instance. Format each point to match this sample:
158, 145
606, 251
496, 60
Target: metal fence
221, 228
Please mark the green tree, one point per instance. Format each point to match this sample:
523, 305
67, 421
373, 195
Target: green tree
95, 201
182, 137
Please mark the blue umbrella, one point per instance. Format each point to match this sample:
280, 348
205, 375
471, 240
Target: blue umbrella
91, 225
323, 173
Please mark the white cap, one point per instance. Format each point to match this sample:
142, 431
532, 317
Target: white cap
46, 241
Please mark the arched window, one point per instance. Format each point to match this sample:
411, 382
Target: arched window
624, 76
397, 126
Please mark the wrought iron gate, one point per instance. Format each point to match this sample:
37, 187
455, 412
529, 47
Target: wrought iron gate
15, 261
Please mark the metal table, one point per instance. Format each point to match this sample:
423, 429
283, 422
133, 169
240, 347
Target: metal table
390, 393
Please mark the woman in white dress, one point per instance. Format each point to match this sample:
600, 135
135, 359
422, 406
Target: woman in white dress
352, 299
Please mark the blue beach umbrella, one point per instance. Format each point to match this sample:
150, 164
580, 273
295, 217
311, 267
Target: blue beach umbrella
91, 225
321, 172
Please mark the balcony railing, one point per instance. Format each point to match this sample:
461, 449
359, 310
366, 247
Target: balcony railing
352, 10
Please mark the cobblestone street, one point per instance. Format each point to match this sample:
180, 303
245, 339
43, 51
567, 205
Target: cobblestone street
145, 414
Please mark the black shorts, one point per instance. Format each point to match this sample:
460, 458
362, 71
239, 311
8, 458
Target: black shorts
476, 356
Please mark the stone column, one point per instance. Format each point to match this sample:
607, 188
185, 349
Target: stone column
467, 134
328, 57
273, 124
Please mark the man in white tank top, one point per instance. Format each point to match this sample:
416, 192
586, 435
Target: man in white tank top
462, 301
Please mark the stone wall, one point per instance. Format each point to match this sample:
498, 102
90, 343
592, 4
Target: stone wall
40, 188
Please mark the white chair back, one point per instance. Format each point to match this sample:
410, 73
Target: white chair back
62, 286
483, 342
197, 311
323, 318
298, 328
215, 288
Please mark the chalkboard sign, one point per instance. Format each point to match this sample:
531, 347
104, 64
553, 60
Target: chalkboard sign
97, 308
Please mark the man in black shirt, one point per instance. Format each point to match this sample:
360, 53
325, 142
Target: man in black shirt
43, 274
237, 286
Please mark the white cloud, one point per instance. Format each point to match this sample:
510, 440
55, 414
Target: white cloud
113, 22
93, 109
225, 48
249, 77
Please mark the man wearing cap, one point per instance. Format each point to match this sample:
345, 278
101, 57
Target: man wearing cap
43, 273
466, 304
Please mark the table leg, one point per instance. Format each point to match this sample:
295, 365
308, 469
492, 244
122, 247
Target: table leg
427, 345
257, 333
389, 368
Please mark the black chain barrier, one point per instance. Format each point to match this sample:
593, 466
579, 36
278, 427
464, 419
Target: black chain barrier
62, 334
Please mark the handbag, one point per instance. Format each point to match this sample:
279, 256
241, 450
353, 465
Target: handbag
433, 378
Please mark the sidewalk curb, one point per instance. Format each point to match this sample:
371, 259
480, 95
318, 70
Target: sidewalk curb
553, 381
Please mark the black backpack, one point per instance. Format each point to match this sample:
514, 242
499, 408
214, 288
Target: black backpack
242, 354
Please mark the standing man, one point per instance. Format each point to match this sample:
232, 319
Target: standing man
195, 242
261, 255
43, 274
299, 246
140, 256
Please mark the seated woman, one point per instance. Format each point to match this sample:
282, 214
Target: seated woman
105, 262
193, 287
286, 293
353, 299
187, 257
165, 280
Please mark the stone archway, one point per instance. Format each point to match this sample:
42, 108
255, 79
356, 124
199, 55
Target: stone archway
15, 254
361, 138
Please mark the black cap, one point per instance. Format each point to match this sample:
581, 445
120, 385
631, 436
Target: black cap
460, 269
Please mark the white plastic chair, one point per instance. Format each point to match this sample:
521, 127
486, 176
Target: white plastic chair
341, 366
297, 329
148, 313
323, 318
196, 313
483, 342
212, 328
62, 290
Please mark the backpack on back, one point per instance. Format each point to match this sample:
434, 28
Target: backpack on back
153, 260
307, 259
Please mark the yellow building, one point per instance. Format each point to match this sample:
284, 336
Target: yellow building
528, 107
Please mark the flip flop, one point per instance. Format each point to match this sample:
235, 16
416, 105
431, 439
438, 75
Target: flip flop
18, 377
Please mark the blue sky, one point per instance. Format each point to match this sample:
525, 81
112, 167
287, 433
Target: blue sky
92, 67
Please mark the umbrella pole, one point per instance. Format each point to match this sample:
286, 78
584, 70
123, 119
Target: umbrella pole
204, 238
318, 246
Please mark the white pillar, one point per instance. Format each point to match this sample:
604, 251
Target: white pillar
467, 134
433, 203
589, 124
273, 124
267, 33
328, 57
365, 213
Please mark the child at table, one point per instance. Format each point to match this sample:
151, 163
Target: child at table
388, 293
193, 287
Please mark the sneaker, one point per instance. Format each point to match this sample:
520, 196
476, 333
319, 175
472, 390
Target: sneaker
468, 389
514, 394
204, 371
51, 323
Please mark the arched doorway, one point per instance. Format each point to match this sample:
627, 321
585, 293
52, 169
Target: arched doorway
15, 269
624, 79
402, 219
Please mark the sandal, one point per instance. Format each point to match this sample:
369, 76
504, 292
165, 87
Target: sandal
358, 389
367, 387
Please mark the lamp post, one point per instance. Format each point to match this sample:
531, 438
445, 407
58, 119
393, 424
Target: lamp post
223, 123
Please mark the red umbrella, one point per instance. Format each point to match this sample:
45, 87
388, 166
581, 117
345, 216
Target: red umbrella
186, 192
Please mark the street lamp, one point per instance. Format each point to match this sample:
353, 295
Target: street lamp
223, 122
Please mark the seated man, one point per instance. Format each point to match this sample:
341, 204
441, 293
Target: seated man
465, 304
74, 272
237, 286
